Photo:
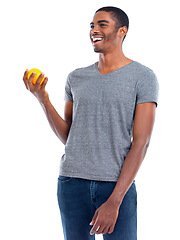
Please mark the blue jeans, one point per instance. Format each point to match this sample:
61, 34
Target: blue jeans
78, 200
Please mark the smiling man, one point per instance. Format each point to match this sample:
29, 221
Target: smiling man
108, 120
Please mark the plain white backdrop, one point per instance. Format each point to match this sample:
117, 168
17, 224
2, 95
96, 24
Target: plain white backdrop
54, 37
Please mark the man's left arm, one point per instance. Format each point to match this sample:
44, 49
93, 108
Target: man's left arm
106, 215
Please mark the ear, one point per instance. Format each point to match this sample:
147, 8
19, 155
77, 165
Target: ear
122, 31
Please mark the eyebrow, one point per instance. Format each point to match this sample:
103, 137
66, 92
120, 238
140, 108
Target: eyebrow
100, 21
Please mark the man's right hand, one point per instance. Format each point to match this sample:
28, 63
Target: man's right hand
36, 89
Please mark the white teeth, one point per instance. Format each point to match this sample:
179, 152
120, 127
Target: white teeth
96, 39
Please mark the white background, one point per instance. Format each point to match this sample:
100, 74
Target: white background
54, 37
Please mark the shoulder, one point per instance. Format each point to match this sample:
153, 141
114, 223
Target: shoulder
145, 76
143, 70
146, 79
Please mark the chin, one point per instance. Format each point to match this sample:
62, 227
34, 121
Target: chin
98, 50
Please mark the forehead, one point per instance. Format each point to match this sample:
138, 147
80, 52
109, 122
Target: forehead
102, 15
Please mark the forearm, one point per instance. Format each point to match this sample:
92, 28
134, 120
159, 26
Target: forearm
129, 170
58, 125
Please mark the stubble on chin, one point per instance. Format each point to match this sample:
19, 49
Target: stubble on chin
98, 50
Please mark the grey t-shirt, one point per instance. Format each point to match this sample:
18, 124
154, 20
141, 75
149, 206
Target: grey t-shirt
103, 115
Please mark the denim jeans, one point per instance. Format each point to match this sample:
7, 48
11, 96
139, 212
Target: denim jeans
78, 200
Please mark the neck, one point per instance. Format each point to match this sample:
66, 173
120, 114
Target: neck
109, 62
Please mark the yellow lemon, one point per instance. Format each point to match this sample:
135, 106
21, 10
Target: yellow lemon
38, 72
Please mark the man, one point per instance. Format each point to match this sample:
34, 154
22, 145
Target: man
109, 116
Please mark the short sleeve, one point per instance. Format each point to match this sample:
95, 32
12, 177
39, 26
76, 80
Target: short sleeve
147, 88
68, 94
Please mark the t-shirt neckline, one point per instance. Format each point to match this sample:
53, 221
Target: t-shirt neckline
119, 69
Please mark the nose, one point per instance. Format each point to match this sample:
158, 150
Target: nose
95, 30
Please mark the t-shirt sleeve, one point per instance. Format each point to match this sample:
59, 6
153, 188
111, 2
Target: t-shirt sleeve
147, 89
68, 94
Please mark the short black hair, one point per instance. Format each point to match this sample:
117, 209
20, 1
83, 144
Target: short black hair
118, 15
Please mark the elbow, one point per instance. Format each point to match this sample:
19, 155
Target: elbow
64, 139
146, 145
141, 143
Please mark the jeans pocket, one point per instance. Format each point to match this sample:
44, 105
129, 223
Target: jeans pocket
64, 178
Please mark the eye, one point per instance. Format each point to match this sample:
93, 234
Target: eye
103, 25
91, 26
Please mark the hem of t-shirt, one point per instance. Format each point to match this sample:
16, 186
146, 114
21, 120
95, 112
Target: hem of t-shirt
92, 177
146, 101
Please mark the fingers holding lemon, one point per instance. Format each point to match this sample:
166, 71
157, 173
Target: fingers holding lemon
33, 79
38, 73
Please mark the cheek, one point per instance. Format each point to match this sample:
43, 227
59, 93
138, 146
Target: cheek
111, 37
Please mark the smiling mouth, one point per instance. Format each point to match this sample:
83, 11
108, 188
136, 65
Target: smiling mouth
96, 40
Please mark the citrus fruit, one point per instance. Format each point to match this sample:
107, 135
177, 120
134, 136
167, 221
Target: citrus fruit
38, 72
